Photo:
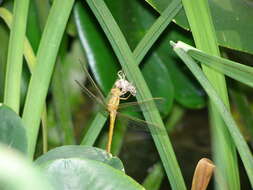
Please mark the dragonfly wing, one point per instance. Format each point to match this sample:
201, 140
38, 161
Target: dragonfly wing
100, 94
91, 95
141, 125
135, 106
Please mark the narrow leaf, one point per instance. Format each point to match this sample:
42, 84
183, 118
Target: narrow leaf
238, 139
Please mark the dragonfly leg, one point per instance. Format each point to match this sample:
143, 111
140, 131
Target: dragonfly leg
125, 97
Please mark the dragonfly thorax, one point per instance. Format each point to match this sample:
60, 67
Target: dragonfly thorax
114, 100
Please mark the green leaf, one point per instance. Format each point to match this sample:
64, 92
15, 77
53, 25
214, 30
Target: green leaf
237, 71
46, 57
15, 55
4, 39
159, 81
231, 125
230, 17
155, 177
80, 174
12, 130
87, 152
98, 52
33, 26
17, 173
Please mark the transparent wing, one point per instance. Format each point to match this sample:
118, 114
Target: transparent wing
100, 94
141, 125
135, 106
91, 95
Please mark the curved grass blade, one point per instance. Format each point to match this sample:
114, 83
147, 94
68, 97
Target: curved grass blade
46, 56
15, 55
231, 125
28, 51
224, 151
232, 69
156, 29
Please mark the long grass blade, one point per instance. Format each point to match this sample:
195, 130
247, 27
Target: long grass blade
237, 71
224, 152
31, 61
6, 15
238, 139
133, 73
15, 55
156, 29
40, 79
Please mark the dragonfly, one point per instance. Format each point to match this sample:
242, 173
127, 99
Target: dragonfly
121, 88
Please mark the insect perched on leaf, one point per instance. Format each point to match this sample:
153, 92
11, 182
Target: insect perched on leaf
121, 88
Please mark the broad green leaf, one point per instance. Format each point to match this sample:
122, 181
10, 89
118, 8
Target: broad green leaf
12, 130
98, 52
159, 81
231, 21
17, 173
231, 125
86, 152
237, 71
80, 174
